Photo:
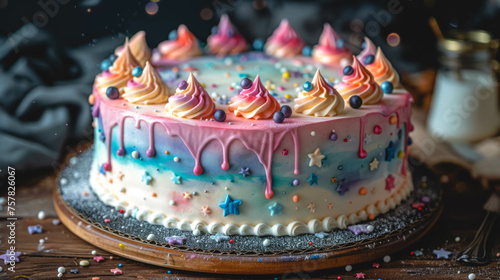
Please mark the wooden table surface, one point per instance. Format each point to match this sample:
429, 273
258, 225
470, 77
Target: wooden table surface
462, 216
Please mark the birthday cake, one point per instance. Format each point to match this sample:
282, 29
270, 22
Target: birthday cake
278, 139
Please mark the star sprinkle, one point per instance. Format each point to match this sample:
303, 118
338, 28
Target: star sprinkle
418, 253
441, 253
389, 182
74, 271
284, 152
334, 179
342, 187
275, 209
35, 229
374, 164
316, 158
312, 207
99, 259
206, 210
176, 179
245, 171
358, 229
10, 256
418, 205
146, 178
321, 235
313, 179
330, 206
116, 271
175, 240
390, 151
187, 195
360, 275
219, 237
368, 138
230, 206
376, 265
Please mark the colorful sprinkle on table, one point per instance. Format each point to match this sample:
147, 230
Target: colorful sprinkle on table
99, 259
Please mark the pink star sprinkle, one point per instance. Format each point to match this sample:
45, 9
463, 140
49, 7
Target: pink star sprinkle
117, 271
376, 265
99, 259
107, 220
360, 275
285, 152
418, 205
389, 182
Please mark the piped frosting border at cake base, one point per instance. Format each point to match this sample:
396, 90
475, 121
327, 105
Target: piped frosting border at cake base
294, 228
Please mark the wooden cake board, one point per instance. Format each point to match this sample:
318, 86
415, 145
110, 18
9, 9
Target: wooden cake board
136, 249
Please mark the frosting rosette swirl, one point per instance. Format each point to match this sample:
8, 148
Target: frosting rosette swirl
185, 46
327, 51
192, 102
227, 40
119, 73
360, 83
369, 49
254, 103
321, 101
284, 42
382, 69
146, 89
139, 48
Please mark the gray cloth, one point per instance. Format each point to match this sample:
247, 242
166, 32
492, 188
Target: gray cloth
44, 91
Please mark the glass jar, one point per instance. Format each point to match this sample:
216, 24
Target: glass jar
465, 104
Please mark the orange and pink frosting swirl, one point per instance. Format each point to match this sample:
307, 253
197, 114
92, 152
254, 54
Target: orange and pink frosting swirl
369, 49
360, 83
146, 89
139, 48
227, 40
192, 103
326, 51
119, 73
284, 42
382, 70
184, 46
254, 103
321, 101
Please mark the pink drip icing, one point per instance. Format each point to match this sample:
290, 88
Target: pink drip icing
151, 150
362, 153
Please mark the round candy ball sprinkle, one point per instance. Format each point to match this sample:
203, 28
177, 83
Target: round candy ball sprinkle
286, 110
120, 265
151, 237
355, 102
278, 117
105, 64
59, 275
266, 242
137, 71
313, 133
61, 269
258, 44
472, 276
348, 70
220, 115
334, 136
369, 59
135, 154
182, 85
41, 215
172, 35
94, 252
307, 86
177, 159
348, 268
370, 228
387, 87
112, 93
307, 51
246, 83
295, 182
387, 259
112, 57
377, 129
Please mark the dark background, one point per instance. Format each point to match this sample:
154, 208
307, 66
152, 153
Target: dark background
50, 50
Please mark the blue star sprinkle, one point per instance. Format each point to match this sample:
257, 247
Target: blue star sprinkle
230, 206
245, 171
219, 237
390, 151
441, 253
418, 253
275, 209
321, 235
175, 240
74, 271
342, 187
146, 178
176, 179
313, 179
